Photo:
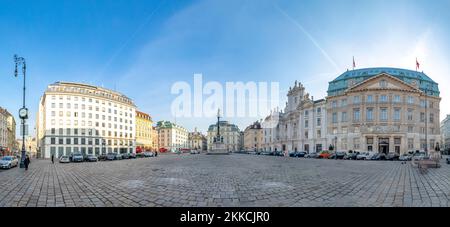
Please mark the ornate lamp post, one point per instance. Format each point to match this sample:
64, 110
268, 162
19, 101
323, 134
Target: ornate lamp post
23, 112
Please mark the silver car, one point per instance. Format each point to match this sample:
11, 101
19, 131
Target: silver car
7, 162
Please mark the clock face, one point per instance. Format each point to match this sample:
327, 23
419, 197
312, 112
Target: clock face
23, 112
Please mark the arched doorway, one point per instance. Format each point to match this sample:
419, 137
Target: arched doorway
383, 145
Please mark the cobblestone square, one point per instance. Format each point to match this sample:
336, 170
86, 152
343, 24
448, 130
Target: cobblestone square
232, 180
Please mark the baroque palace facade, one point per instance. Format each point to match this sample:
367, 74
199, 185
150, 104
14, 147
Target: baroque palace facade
374, 109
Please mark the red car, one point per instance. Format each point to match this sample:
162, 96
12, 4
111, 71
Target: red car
324, 155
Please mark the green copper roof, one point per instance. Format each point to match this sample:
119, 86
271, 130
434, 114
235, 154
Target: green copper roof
342, 82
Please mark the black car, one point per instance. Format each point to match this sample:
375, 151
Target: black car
102, 157
448, 160
132, 155
393, 157
91, 158
279, 153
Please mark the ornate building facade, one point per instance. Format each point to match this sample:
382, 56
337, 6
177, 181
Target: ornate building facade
197, 141
375, 109
231, 135
253, 137
300, 127
384, 110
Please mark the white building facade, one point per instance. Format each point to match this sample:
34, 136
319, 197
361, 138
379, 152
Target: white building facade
171, 136
445, 132
302, 126
80, 118
230, 133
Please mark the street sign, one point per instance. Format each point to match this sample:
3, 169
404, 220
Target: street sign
26, 130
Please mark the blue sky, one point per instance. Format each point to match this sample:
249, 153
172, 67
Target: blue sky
141, 48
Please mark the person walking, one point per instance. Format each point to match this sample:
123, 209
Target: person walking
27, 162
156, 153
53, 159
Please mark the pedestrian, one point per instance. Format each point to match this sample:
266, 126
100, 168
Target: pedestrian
156, 153
27, 162
53, 159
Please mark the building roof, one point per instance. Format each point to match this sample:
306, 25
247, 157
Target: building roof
223, 124
143, 115
343, 82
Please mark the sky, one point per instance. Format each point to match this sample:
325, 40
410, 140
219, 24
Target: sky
141, 48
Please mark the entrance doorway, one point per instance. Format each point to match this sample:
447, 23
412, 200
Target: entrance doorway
383, 145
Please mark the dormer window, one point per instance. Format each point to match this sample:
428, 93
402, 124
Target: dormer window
383, 83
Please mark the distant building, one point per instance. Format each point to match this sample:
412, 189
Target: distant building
445, 132
144, 132
30, 146
253, 137
172, 137
155, 138
197, 141
81, 118
7, 133
230, 133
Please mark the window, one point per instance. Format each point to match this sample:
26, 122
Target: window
344, 102
356, 143
370, 98
344, 116
356, 100
334, 104
410, 144
319, 110
397, 98
306, 124
383, 114
68, 141
396, 114
369, 114
431, 117
422, 117
319, 121
344, 130
410, 129
52, 140
410, 114
383, 83
410, 100
335, 118
383, 98
422, 103
356, 115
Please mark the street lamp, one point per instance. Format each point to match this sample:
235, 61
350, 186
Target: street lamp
23, 112
335, 147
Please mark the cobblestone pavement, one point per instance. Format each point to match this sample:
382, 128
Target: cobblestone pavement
233, 180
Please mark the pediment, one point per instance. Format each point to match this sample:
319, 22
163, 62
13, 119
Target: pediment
384, 81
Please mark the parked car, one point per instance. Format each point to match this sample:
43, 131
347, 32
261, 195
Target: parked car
363, 156
448, 160
132, 155
195, 152
324, 155
405, 157
91, 158
351, 155
125, 156
77, 157
292, 153
392, 156
266, 153
119, 156
312, 155
7, 162
64, 159
337, 155
111, 156
102, 157
278, 153
148, 154
419, 156
379, 156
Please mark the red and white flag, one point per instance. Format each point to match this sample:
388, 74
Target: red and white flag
417, 65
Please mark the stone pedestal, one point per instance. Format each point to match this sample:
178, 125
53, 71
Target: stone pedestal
218, 148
